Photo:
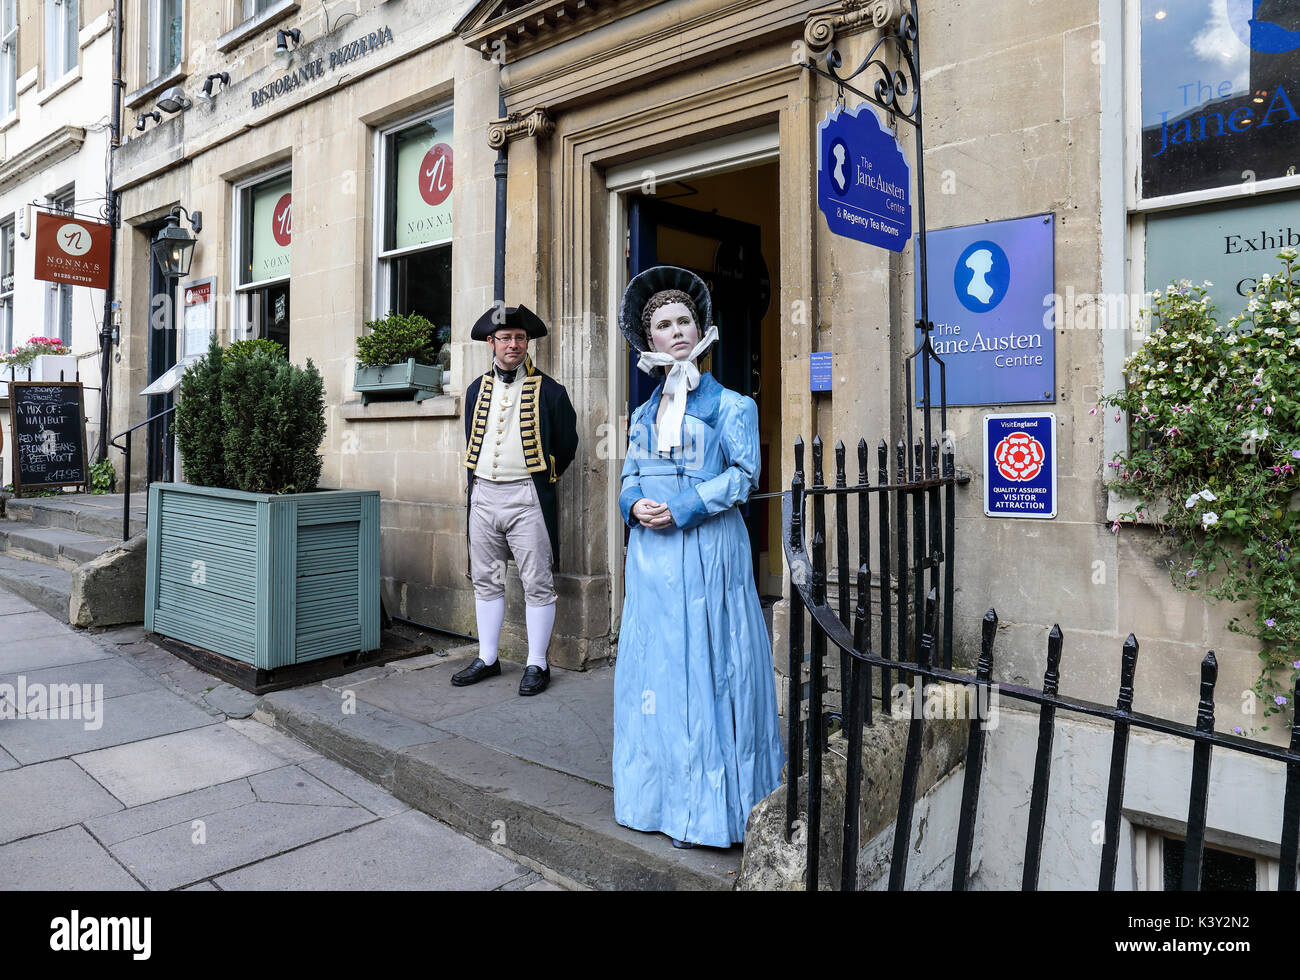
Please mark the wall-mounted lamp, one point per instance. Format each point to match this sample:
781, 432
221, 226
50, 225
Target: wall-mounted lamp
282, 38
205, 94
174, 100
153, 114
173, 249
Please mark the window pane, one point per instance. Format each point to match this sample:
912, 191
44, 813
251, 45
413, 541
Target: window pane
269, 230
164, 37
1219, 83
7, 258
71, 22
421, 284
1220, 871
419, 184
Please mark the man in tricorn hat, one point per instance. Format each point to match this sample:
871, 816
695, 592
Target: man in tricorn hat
522, 435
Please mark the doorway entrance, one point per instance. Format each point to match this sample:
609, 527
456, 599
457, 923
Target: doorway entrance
724, 225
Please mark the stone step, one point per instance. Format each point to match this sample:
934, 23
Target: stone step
52, 545
99, 515
43, 585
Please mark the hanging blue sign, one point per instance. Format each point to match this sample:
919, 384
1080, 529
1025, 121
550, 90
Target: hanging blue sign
992, 303
1020, 465
863, 180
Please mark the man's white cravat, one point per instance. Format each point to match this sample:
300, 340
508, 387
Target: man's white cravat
683, 378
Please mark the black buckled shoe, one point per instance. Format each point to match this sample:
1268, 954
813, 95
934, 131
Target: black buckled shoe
475, 672
534, 680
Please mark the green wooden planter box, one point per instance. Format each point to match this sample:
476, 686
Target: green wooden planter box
421, 381
269, 580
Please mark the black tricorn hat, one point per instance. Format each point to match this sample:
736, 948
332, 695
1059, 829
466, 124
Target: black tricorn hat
498, 317
653, 280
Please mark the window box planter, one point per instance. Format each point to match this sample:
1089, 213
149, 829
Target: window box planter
267, 580
396, 381
45, 367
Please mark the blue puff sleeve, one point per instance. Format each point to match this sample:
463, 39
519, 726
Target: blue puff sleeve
738, 425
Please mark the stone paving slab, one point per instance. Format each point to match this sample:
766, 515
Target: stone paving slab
44, 797
170, 765
29, 625
10, 604
569, 727
231, 701
62, 860
410, 851
126, 719
427, 696
291, 784
229, 839
202, 886
288, 749
117, 676
354, 787
113, 828
52, 650
7, 761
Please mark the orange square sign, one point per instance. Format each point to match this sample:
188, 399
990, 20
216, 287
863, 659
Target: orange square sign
72, 250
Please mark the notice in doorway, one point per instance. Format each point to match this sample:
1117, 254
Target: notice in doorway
1020, 465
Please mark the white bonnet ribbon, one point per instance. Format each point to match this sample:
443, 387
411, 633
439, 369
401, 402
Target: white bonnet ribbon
683, 378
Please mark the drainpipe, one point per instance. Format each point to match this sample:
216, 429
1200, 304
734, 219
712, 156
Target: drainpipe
499, 171
107, 332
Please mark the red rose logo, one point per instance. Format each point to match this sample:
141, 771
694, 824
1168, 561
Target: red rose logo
282, 220
435, 175
1019, 456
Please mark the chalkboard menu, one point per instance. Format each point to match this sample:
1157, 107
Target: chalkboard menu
48, 422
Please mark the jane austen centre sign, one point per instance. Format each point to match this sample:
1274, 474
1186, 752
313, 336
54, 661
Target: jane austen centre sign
988, 285
863, 179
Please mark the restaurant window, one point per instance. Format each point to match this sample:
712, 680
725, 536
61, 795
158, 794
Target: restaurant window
58, 304
264, 224
7, 285
62, 22
415, 202
8, 56
166, 22
1219, 88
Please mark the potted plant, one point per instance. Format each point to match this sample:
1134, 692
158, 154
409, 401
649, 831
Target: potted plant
398, 358
43, 359
251, 560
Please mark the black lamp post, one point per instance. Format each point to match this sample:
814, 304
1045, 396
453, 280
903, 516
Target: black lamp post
173, 248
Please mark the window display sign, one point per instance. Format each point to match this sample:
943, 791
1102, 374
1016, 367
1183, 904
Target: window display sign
72, 250
1220, 83
989, 284
198, 319
1020, 465
423, 183
271, 215
1230, 246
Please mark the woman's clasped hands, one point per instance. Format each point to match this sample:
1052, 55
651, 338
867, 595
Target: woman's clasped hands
651, 513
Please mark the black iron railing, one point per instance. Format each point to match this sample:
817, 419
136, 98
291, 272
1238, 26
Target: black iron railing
925, 652
126, 476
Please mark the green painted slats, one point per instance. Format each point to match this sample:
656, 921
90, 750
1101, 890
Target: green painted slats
312, 646
208, 508
328, 512
214, 637
368, 573
182, 598
213, 574
152, 539
338, 583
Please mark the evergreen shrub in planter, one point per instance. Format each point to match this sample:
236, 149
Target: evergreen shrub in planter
251, 560
396, 358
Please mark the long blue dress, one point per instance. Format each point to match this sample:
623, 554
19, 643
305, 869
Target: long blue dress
696, 737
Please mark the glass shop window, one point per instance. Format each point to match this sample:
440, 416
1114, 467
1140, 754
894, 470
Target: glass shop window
266, 230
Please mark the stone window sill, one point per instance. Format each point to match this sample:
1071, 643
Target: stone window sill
147, 91
438, 407
238, 35
69, 78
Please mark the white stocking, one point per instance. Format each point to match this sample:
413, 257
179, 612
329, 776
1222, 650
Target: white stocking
491, 613
540, 621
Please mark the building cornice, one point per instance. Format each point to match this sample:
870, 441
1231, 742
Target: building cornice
822, 25
503, 30
58, 145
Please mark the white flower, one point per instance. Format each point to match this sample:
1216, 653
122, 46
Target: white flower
1280, 306
1294, 317
1193, 500
1207, 495
1253, 305
1287, 253
1208, 518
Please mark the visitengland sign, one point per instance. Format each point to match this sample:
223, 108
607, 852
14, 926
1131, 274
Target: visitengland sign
988, 286
1020, 465
863, 179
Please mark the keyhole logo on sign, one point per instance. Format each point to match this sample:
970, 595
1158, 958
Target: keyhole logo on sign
435, 175
282, 220
981, 276
73, 239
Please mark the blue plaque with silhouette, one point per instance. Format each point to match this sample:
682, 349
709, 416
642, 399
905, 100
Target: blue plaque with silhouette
993, 304
863, 179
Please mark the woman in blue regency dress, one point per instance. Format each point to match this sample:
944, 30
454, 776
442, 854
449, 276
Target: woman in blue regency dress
696, 736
